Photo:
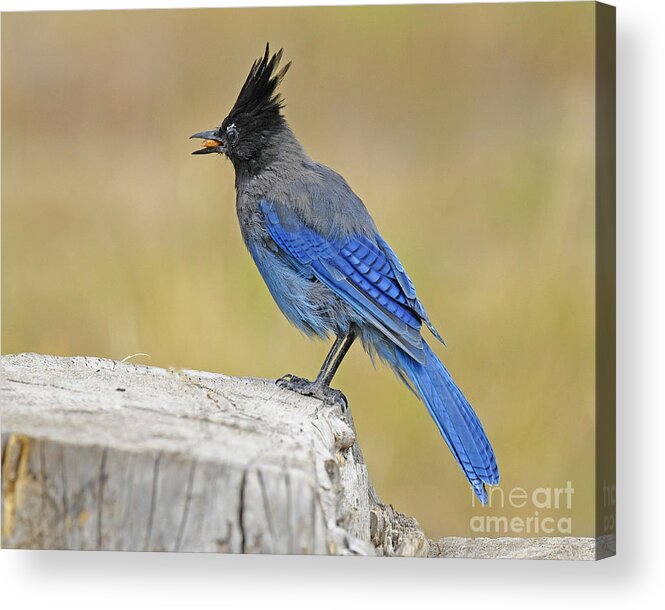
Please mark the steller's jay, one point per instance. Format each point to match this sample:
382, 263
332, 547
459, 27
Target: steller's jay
329, 270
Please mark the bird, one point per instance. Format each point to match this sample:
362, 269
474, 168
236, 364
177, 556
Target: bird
328, 268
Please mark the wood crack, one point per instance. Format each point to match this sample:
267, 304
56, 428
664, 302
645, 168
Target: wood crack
266, 506
100, 497
153, 501
185, 510
241, 511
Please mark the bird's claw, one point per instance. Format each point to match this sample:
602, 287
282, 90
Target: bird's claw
306, 387
285, 380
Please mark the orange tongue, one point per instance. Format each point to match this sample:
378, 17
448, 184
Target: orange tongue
210, 143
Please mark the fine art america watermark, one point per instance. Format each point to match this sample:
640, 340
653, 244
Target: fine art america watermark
534, 501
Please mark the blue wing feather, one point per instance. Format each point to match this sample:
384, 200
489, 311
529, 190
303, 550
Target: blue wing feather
408, 287
359, 271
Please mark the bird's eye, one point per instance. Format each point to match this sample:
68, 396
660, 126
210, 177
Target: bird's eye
232, 134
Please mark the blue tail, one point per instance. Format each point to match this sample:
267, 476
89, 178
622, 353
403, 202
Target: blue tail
454, 417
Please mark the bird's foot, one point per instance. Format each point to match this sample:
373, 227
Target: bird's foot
312, 388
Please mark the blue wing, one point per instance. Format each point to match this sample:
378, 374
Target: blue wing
364, 272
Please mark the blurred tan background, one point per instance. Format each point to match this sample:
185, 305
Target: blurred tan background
467, 130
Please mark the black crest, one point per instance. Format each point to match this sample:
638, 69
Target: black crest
258, 100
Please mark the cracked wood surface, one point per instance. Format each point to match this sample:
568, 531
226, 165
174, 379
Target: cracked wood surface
98, 454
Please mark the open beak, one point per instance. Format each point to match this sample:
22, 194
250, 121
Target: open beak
211, 143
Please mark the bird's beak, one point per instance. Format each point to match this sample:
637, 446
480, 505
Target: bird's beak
211, 143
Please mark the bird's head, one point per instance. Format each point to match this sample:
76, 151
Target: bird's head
255, 121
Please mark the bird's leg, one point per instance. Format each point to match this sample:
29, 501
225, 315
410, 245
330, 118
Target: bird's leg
330, 356
326, 377
320, 387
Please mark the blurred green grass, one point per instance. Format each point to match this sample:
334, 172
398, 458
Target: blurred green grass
467, 130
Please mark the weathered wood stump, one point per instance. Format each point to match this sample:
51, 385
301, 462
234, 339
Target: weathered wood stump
98, 454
